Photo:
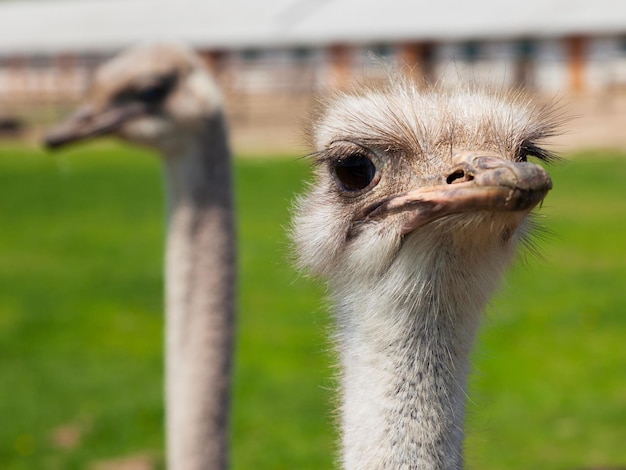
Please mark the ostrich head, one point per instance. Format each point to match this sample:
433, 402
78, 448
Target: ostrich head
429, 172
154, 94
419, 200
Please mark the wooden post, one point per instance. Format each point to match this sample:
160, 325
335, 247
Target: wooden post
65, 65
214, 60
524, 67
341, 67
576, 58
16, 77
418, 59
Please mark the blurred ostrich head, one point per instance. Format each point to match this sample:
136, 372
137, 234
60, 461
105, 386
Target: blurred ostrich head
153, 94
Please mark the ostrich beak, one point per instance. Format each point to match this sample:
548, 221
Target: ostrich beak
86, 123
478, 182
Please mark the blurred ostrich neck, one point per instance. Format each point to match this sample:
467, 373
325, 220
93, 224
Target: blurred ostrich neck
405, 361
200, 261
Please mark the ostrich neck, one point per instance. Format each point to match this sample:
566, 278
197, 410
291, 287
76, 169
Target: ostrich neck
200, 278
404, 342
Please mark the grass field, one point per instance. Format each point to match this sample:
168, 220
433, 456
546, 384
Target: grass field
81, 239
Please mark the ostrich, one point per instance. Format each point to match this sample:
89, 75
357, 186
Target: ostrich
419, 200
160, 95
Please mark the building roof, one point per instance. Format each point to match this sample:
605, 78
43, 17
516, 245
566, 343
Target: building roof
41, 27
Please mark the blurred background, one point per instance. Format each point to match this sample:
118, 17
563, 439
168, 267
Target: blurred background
271, 58
82, 233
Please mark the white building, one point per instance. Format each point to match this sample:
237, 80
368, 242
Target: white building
48, 48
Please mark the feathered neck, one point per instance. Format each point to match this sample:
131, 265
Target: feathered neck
404, 340
200, 300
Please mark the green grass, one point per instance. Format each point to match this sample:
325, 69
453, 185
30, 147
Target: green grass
81, 239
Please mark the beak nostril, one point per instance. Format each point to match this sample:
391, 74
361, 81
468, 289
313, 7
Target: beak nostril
458, 176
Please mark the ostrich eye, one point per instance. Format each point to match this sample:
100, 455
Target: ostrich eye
153, 94
355, 172
156, 90
150, 94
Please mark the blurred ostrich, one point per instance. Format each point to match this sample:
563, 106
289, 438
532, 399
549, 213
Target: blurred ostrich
162, 96
419, 200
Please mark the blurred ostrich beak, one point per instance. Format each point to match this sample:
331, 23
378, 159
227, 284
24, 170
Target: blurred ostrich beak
86, 123
479, 181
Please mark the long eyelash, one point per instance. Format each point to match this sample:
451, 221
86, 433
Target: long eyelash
528, 149
336, 150
316, 156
